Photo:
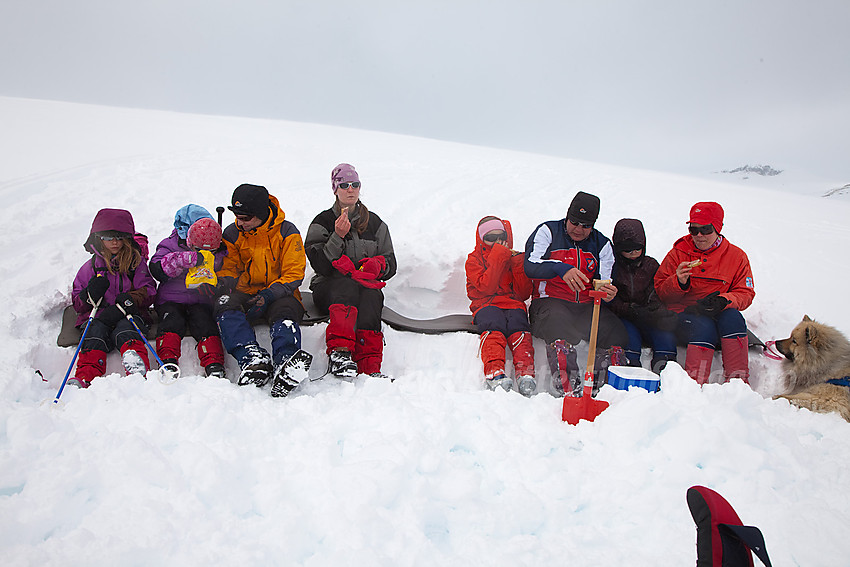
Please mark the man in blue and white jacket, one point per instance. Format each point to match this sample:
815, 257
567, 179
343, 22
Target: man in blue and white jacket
562, 258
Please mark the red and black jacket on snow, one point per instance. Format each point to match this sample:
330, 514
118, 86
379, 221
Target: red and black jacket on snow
550, 253
725, 268
495, 275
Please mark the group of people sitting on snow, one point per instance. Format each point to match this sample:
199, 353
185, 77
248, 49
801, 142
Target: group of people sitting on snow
254, 269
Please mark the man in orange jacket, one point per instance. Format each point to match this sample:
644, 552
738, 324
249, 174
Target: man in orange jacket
708, 281
259, 281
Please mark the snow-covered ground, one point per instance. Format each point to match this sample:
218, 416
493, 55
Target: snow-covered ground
430, 469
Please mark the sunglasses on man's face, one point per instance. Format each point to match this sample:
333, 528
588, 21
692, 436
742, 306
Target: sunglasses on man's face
705, 230
581, 224
244, 218
353, 184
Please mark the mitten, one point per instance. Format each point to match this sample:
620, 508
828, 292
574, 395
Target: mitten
259, 303
712, 304
225, 285
126, 304
373, 266
174, 263
344, 265
110, 315
95, 290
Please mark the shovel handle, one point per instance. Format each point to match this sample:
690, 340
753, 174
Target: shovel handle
597, 296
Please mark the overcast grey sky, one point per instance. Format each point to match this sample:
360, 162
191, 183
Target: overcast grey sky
680, 85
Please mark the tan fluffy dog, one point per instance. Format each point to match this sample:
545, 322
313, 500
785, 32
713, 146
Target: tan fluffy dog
815, 353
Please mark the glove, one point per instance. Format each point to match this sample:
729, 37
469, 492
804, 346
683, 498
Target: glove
712, 304
125, 302
95, 290
174, 263
260, 303
225, 285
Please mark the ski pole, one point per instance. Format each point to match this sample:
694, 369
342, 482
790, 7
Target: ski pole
79, 346
170, 367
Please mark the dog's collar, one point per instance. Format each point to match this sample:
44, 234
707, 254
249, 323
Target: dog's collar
840, 381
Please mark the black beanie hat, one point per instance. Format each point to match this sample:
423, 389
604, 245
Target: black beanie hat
251, 200
584, 208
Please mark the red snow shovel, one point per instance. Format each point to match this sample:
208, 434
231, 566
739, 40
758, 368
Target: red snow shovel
586, 407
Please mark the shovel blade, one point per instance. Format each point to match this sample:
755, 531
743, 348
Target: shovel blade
585, 407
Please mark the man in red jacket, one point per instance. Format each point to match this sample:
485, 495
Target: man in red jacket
708, 282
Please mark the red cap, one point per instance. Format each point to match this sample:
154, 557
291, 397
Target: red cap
707, 212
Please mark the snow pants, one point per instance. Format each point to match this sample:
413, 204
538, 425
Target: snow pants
177, 317
501, 328
345, 291
355, 320
663, 344
703, 335
553, 318
103, 337
283, 316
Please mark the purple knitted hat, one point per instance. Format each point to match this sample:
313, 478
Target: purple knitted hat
342, 173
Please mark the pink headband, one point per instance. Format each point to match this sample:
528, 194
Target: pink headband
487, 226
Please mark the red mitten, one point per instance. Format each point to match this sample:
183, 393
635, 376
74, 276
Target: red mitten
367, 280
373, 266
344, 265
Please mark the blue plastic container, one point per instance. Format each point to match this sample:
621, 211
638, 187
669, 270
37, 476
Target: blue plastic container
621, 377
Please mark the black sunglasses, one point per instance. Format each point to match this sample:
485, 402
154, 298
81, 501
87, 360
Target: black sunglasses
495, 235
354, 184
244, 218
705, 230
581, 224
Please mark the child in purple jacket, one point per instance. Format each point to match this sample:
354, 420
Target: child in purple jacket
178, 306
116, 274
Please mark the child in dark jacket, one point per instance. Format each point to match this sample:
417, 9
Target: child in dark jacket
498, 287
643, 314
115, 274
178, 304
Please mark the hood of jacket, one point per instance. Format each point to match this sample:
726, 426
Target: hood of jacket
479, 243
116, 220
628, 235
628, 231
186, 217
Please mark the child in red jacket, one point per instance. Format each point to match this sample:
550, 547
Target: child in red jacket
498, 287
